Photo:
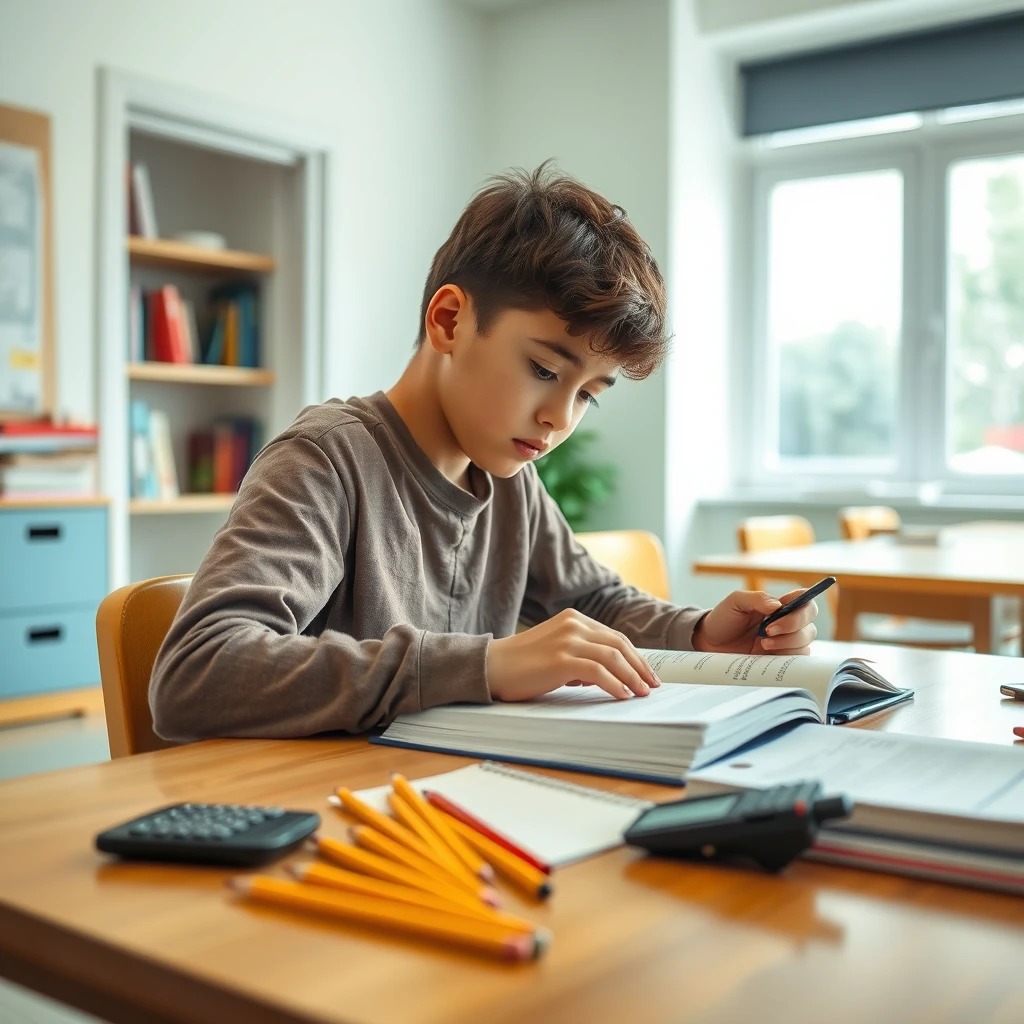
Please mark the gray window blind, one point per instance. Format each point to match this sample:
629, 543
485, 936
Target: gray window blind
972, 62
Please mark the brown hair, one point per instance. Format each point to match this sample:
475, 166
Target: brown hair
542, 239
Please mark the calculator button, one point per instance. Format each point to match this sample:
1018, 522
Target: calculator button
141, 828
182, 830
220, 832
254, 818
272, 812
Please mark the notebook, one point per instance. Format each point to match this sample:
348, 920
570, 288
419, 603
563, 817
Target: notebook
924, 807
560, 822
709, 705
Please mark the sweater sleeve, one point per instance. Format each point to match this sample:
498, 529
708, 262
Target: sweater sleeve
246, 654
564, 575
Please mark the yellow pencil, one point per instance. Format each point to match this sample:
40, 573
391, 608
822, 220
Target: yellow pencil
479, 936
350, 881
514, 868
356, 859
368, 815
476, 865
377, 842
404, 812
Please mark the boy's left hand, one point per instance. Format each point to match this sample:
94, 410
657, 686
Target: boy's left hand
731, 626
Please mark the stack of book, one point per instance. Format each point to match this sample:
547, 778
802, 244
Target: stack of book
46, 460
163, 327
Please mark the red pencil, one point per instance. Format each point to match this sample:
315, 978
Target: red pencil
461, 814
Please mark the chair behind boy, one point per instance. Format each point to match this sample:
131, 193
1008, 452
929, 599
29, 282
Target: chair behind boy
131, 624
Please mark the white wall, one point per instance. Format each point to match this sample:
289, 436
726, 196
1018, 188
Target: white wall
587, 82
394, 83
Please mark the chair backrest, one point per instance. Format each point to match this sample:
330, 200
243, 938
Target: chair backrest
858, 522
763, 533
636, 555
130, 626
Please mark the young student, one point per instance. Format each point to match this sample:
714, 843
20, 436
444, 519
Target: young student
382, 550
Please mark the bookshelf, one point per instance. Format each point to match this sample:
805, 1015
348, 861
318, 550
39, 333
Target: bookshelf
214, 167
173, 255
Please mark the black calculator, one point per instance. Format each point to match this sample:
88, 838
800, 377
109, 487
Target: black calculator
769, 827
235, 834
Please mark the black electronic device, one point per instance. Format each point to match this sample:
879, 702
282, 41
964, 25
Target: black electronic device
230, 834
769, 826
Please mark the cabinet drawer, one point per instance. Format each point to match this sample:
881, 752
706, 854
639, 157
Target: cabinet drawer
52, 556
48, 650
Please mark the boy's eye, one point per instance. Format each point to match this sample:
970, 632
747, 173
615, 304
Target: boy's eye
587, 397
543, 372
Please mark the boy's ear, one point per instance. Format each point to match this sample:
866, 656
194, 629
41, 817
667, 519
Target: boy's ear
447, 312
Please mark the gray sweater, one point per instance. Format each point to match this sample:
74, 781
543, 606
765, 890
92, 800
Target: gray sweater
354, 582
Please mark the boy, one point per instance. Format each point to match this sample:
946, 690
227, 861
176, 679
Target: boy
382, 550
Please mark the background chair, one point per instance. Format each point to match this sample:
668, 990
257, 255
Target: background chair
636, 555
131, 624
858, 522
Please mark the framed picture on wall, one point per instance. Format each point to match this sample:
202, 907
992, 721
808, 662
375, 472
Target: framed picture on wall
26, 266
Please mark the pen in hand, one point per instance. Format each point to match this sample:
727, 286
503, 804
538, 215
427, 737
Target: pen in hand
797, 602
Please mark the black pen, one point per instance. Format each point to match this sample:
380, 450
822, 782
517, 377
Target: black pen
797, 602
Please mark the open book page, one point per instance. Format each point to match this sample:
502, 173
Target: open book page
807, 672
666, 705
916, 773
818, 675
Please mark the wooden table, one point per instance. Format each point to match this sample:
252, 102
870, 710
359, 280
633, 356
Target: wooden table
636, 939
956, 580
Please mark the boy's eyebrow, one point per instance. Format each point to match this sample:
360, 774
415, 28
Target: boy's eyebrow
570, 357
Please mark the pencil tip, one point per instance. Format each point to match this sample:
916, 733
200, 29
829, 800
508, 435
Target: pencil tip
239, 884
541, 942
544, 890
334, 800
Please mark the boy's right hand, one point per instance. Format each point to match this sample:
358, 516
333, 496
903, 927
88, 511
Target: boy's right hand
568, 649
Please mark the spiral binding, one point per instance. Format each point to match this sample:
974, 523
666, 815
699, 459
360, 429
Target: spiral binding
569, 787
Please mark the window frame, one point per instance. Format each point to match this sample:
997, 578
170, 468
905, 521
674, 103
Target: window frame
923, 156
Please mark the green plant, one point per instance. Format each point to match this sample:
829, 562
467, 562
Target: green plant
577, 485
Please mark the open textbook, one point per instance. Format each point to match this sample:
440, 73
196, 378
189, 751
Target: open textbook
925, 807
710, 705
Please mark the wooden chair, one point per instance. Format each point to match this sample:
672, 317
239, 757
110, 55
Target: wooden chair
767, 533
131, 623
951, 623
636, 555
858, 522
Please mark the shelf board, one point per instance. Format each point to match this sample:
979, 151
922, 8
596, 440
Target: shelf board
163, 252
197, 373
185, 503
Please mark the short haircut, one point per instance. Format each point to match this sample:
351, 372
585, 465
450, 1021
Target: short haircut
544, 240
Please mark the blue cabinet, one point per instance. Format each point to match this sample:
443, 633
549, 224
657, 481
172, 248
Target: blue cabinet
53, 575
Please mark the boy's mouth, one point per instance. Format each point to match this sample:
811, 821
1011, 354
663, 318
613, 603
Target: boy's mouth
531, 449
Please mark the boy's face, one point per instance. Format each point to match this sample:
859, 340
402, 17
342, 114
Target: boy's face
519, 390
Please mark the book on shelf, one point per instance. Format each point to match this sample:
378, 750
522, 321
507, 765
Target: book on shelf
220, 456
58, 474
165, 327
142, 212
924, 807
707, 706
44, 436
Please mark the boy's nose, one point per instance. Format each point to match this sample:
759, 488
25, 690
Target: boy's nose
557, 416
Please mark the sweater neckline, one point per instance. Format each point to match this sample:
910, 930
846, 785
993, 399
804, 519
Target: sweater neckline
461, 501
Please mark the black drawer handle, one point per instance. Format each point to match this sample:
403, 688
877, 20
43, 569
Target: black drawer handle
36, 636
44, 533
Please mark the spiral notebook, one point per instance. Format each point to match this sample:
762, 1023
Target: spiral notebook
560, 822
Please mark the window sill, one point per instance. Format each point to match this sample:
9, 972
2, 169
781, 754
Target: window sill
908, 499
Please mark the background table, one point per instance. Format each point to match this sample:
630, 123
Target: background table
635, 938
958, 578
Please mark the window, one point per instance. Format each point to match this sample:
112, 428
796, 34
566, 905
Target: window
887, 325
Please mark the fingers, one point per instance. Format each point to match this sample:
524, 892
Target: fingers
615, 661
620, 642
589, 672
797, 641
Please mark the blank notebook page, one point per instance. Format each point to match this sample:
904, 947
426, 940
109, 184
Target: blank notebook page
560, 822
